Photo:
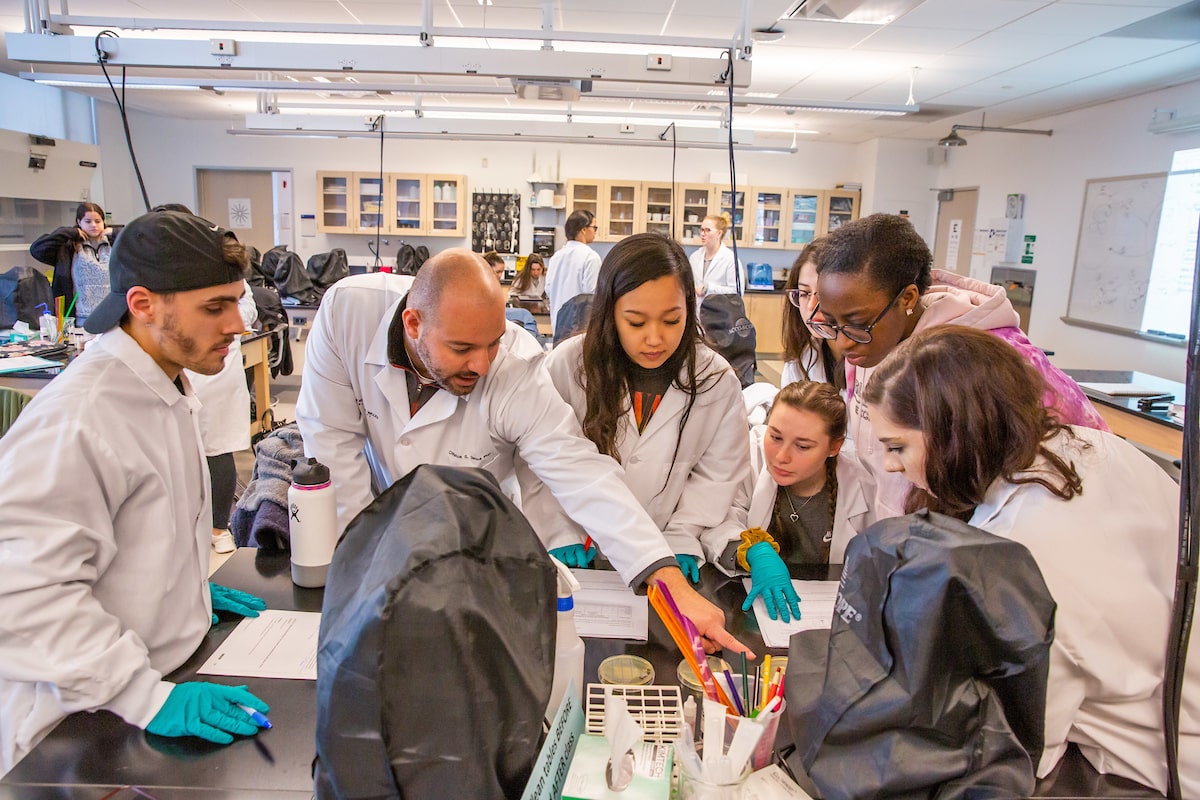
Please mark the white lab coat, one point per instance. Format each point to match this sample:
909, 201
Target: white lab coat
687, 493
572, 271
105, 530
224, 398
353, 412
849, 517
1108, 558
816, 371
720, 277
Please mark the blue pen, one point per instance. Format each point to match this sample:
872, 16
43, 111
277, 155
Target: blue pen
256, 716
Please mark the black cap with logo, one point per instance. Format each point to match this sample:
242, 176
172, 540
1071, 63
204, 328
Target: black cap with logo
163, 251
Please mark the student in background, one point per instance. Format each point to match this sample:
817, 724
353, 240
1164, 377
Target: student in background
496, 262
1099, 517
520, 316
105, 533
79, 256
530, 283
876, 290
806, 356
572, 271
431, 379
649, 394
713, 268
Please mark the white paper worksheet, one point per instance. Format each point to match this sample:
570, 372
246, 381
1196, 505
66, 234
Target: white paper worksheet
275, 644
606, 608
816, 612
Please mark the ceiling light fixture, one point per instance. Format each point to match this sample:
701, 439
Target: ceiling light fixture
954, 140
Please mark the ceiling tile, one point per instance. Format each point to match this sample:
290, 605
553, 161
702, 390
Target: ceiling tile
1080, 20
970, 15
916, 40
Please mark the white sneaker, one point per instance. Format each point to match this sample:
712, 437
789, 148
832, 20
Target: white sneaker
224, 543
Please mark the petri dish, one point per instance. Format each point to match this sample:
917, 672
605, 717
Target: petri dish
687, 677
626, 670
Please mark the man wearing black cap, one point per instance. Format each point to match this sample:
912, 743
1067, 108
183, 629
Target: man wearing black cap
105, 509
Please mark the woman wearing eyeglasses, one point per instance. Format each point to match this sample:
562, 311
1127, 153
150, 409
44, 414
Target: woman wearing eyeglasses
713, 267
806, 356
877, 289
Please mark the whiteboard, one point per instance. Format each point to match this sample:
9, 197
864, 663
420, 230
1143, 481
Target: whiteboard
1115, 251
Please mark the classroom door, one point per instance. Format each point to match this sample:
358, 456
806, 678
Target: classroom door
955, 230
241, 200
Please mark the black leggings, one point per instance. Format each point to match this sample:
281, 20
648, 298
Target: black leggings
223, 476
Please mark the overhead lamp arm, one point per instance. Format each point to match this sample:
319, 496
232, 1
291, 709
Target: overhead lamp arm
988, 129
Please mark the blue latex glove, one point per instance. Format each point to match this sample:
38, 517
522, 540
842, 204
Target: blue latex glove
769, 577
207, 710
575, 555
235, 602
689, 566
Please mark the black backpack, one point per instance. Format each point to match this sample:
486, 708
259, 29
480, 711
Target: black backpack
270, 316
22, 290
572, 318
730, 332
326, 269
436, 650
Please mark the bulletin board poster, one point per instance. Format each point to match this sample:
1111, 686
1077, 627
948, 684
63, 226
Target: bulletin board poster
495, 221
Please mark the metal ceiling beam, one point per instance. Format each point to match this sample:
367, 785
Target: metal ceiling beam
146, 23
337, 58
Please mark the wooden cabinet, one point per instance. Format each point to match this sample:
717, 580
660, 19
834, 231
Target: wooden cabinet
446, 199
699, 200
413, 204
736, 211
584, 196
619, 215
804, 208
767, 217
657, 213
841, 206
334, 197
765, 310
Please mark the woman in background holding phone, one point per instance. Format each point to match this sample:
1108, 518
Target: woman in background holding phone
79, 256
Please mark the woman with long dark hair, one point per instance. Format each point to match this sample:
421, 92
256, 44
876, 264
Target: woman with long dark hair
961, 416
651, 395
79, 255
530, 283
806, 356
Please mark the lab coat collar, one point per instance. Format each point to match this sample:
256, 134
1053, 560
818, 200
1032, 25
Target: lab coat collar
125, 349
377, 351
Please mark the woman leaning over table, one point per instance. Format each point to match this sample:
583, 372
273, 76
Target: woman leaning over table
806, 356
651, 395
1099, 517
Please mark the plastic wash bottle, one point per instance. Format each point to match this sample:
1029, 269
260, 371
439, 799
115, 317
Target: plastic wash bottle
568, 647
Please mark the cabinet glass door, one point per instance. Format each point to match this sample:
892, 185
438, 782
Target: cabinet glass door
697, 204
333, 192
584, 197
369, 211
768, 218
842, 208
447, 204
620, 211
802, 219
737, 229
657, 208
406, 203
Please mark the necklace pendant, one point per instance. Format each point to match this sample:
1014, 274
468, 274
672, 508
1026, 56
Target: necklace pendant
794, 517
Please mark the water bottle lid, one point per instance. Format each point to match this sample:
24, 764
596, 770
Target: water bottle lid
566, 603
310, 473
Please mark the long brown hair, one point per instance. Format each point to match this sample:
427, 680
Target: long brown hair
524, 278
606, 369
978, 405
823, 400
798, 341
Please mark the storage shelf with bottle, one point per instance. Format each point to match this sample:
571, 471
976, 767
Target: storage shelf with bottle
415, 204
794, 217
699, 200
658, 209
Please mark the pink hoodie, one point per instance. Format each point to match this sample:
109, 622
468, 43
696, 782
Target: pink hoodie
957, 300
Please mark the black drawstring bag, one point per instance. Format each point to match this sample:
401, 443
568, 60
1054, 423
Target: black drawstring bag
932, 683
730, 332
436, 650
572, 318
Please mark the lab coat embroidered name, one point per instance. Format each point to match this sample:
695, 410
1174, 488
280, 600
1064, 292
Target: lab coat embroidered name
469, 457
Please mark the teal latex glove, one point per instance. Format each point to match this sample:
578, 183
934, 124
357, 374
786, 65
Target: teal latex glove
575, 555
769, 577
689, 566
235, 602
207, 710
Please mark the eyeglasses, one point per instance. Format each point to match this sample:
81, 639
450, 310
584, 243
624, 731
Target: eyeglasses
799, 297
855, 333
708, 230
593, 227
